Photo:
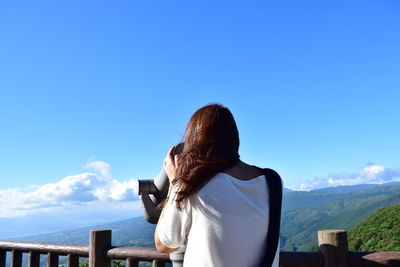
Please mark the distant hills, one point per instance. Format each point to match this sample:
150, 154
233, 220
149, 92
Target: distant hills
303, 214
131, 232
379, 232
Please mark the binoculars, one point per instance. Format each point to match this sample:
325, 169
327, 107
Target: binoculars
153, 192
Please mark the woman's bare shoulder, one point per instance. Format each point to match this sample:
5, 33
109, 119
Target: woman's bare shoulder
243, 171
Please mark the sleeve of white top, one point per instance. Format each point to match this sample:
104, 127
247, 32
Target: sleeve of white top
174, 224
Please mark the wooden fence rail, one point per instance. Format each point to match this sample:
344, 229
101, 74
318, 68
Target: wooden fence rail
332, 253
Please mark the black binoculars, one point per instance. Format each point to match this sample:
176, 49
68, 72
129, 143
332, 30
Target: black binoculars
153, 192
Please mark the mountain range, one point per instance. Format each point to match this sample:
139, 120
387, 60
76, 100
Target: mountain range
131, 232
303, 214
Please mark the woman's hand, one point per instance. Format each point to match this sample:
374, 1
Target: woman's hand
171, 164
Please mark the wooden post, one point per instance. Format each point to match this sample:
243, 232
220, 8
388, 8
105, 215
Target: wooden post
100, 242
34, 259
333, 247
156, 263
16, 259
3, 256
132, 263
52, 260
73, 260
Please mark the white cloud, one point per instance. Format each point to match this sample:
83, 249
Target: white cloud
116, 191
371, 174
101, 167
72, 191
373, 170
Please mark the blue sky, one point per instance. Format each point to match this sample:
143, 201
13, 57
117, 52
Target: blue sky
314, 85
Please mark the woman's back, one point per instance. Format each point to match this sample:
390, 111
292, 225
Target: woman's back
230, 222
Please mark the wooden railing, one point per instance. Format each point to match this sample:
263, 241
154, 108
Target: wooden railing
332, 253
99, 253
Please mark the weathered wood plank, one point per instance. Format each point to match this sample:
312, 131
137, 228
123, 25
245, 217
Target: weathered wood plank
16, 258
132, 263
52, 260
44, 248
374, 259
300, 259
73, 260
34, 259
100, 242
138, 253
3, 256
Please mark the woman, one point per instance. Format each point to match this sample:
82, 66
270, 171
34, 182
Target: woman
217, 204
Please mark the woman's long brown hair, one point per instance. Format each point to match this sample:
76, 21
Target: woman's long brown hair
211, 145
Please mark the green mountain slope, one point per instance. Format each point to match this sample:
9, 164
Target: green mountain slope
304, 213
379, 232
